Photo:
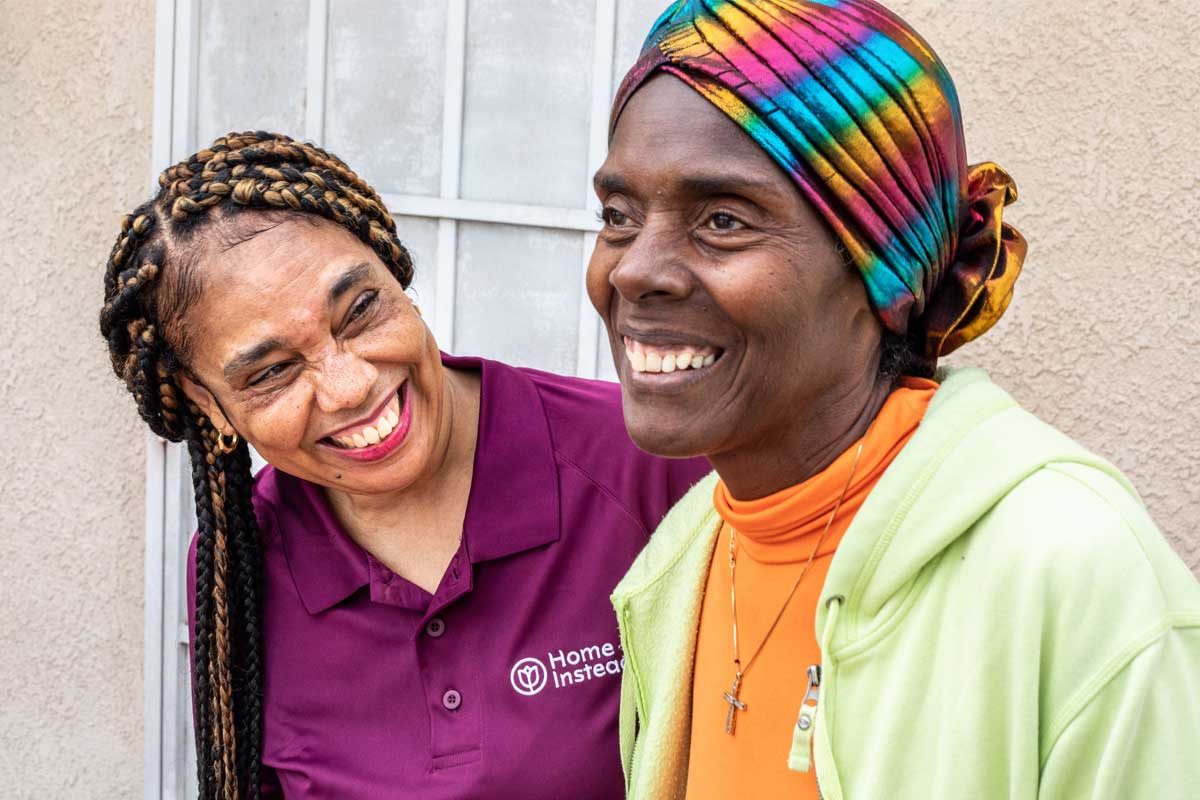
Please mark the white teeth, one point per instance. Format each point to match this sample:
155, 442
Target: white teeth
643, 360
377, 431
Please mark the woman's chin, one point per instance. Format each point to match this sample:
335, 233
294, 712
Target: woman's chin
658, 435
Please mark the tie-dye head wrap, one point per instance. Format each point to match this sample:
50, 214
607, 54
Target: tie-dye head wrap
862, 115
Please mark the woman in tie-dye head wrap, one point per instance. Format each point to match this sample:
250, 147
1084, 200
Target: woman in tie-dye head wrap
897, 583
861, 114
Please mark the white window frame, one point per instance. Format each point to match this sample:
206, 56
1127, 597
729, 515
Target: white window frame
168, 488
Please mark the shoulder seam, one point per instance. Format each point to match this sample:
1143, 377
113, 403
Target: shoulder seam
604, 490
562, 458
1103, 676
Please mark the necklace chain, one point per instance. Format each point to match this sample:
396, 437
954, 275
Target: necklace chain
739, 671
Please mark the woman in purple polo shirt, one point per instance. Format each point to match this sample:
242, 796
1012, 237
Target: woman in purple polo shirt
412, 600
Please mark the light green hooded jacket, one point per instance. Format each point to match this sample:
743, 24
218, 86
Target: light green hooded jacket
1001, 620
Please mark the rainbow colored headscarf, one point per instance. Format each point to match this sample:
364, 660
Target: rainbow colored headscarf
859, 111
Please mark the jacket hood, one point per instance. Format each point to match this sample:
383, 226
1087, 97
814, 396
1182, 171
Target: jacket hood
974, 445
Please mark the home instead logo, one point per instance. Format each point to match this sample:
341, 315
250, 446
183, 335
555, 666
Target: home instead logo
530, 675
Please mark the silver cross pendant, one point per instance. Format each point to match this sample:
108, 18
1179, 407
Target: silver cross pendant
735, 705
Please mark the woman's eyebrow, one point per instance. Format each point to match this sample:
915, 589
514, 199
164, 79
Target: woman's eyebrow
250, 357
706, 185
247, 358
609, 183
347, 280
702, 185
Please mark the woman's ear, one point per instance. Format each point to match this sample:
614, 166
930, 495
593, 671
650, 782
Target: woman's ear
207, 403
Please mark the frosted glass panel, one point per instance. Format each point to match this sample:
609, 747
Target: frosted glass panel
419, 236
386, 72
605, 368
525, 115
634, 18
517, 297
251, 73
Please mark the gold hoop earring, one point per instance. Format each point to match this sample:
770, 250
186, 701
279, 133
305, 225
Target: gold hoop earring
417, 308
225, 447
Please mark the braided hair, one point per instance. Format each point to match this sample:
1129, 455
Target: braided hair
150, 282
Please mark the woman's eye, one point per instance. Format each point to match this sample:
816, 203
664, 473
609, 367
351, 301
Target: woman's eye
273, 371
613, 218
724, 222
363, 304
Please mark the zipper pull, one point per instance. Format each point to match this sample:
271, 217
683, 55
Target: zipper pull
800, 756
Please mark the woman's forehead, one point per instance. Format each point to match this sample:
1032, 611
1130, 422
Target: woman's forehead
274, 285
667, 127
294, 255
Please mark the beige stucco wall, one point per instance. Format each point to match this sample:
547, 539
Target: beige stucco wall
76, 95
1092, 105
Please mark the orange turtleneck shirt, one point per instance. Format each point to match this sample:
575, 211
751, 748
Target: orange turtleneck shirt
775, 536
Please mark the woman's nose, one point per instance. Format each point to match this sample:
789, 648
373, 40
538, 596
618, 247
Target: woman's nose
655, 266
345, 382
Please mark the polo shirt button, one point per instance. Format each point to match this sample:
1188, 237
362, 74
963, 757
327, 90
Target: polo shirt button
435, 628
451, 700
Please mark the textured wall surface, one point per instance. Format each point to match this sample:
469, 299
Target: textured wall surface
75, 89
1091, 104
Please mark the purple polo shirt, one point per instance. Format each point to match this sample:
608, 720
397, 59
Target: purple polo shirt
503, 683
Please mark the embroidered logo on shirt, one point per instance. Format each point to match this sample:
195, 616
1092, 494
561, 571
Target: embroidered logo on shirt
529, 676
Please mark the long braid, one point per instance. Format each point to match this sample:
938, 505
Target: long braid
222, 700
201, 685
246, 610
144, 323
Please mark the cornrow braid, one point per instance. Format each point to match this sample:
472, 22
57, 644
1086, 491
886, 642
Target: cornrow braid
148, 289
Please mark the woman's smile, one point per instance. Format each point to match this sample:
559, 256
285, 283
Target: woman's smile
667, 362
381, 435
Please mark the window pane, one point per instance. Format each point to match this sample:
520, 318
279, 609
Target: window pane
605, 369
419, 236
634, 18
525, 108
518, 295
386, 80
251, 68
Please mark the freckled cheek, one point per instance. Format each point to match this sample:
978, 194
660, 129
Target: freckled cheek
399, 340
279, 429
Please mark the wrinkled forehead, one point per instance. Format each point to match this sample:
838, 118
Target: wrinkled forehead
266, 278
669, 133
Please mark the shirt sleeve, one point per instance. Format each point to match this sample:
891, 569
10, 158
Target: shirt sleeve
1139, 734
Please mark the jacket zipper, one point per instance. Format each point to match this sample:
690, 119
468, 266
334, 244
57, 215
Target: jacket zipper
800, 757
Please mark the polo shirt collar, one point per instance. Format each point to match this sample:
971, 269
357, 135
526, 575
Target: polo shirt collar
513, 505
